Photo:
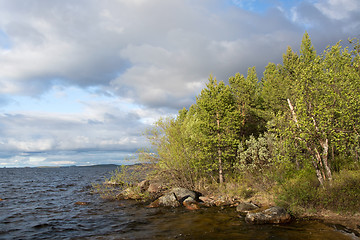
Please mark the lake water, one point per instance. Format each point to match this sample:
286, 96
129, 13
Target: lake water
39, 203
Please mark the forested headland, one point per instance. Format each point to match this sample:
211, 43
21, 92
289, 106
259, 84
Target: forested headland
292, 135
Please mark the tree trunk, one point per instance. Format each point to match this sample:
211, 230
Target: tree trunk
319, 164
318, 173
221, 174
325, 154
320, 161
292, 112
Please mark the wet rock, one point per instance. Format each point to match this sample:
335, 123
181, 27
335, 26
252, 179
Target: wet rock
168, 200
246, 207
272, 215
191, 204
346, 230
175, 197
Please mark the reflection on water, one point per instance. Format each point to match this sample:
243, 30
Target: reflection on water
39, 203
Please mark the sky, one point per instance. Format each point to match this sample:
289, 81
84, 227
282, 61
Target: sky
80, 81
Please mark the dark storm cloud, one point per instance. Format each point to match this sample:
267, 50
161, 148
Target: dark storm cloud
157, 52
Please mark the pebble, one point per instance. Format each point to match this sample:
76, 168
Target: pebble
81, 203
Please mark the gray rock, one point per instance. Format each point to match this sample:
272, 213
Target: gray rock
272, 215
167, 200
246, 207
189, 200
183, 193
175, 197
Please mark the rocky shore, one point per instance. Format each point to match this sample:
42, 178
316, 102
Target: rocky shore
256, 210
192, 200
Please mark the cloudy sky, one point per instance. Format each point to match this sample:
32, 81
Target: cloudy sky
81, 80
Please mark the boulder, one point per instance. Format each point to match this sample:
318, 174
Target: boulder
168, 200
272, 215
246, 207
175, 197
183, 193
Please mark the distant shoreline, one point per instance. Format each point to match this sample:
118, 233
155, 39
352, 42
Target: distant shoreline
96, 165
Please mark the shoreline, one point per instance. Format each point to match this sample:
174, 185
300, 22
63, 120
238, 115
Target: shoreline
351, 222
346, 222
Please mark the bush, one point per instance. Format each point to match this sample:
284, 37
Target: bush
123, 182
256, 154
303, 193
344, 193
299, 193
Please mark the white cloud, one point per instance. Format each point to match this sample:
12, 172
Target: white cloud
338, 9
60, 163
147, 50
36, 160
99, 126
149, 58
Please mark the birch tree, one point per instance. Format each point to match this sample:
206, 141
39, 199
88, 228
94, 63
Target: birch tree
218, 125
324, 104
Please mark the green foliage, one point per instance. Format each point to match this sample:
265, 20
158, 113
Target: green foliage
174, 156
249, 103
127, 175
303, 193
344, 192
217, 127
318, 96
256, 154
297, 127
299, 193
123, 178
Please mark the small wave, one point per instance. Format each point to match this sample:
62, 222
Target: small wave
42, 225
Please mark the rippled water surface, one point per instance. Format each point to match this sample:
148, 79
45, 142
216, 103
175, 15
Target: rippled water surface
39, 203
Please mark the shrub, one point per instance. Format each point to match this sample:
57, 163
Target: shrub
303, 193
344, 193
255, 154
123, 182
299, 193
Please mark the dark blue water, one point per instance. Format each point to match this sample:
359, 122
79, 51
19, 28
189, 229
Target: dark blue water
40, 203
